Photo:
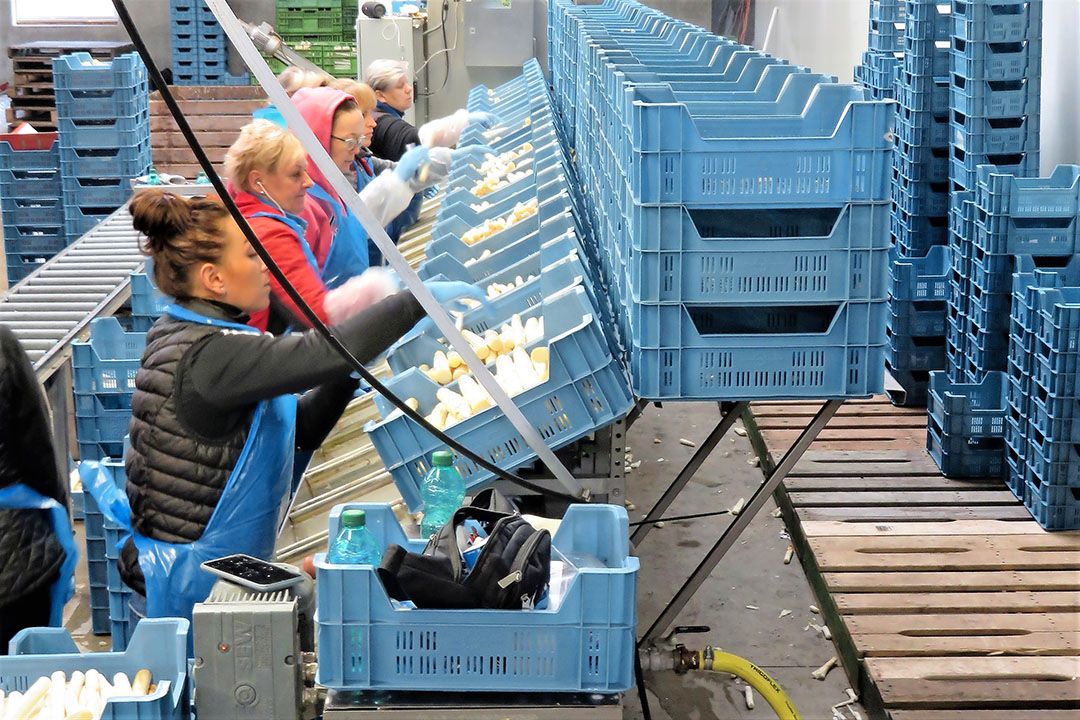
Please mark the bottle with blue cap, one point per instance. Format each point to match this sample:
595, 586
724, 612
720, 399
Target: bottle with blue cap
354, 545
443, 491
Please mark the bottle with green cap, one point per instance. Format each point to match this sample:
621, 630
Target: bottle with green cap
443, 491
354, 544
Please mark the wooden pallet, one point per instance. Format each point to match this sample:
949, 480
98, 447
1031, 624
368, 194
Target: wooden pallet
216, 114
947, 601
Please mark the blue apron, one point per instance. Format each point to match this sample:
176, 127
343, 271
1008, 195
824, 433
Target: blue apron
22, 497
299, 227
348, 255
248, 515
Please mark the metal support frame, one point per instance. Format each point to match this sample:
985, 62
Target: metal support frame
742, 520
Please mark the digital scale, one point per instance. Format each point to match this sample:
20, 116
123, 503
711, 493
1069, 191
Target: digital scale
472, 706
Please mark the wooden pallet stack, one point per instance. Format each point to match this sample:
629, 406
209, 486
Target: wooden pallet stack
215, 113
945, 599
34, 98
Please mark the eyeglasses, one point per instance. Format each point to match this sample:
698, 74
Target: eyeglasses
350, 143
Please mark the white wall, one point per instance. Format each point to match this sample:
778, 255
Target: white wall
828, 36
1060, 83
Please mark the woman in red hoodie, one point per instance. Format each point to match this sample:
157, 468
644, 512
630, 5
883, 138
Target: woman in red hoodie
267, 170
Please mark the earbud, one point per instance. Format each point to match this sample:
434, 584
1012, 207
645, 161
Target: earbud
262, 188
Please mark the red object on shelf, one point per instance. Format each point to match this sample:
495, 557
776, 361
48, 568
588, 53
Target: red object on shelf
28, 139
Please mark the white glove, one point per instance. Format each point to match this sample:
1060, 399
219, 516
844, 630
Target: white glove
358, 293
387, 196
445, 131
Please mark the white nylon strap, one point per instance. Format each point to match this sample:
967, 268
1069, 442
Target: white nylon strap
254, 61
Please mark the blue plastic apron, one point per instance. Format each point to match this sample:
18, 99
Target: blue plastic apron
248, 515
22, 497
299, 228
349, 250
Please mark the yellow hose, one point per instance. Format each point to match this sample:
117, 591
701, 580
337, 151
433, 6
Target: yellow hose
756, 678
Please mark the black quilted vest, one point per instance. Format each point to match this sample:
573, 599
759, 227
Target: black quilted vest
175, 477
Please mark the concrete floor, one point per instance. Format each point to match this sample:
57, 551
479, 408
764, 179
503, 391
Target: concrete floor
753, 574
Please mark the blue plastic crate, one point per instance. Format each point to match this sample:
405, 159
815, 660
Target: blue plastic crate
585, 644
109, 361
736, 256
19, 268
118, 132
125, 162
586, 390
687, 351
921, 163
159, 645
995, 135
96, 192
30, 184
917, 234
836, 152
1054, 517
921, 199
997, 21
923, 128
78, 221
79, 71
970, 410
926, 58
1057, 319
103, 103
104, 426
960, 457
886, 37
921, 278
1056, 196
910, 353
995, 99
32, 211
29, 241
964, 166
1053, 468
183, 10
146, 300
32, 151
997, 61
888, 10
917, 318
914, 384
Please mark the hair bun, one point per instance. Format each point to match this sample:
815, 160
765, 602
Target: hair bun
160, 216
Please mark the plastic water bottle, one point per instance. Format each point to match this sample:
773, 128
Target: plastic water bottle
355, 545
443, 491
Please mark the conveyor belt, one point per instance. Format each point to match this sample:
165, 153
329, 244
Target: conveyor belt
54, 305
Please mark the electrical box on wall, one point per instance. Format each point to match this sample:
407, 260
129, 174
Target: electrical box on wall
498, 33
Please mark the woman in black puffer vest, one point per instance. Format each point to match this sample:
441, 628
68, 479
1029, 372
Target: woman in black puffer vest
30, 552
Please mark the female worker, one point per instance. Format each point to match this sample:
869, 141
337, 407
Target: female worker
268, 180
215, 422
368, 166
338, 124
393, 133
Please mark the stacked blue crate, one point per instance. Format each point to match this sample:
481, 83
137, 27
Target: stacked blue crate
993, 121
30, 201
920, 195
109, 595
103, 109
199, 46
711, 268
885, 41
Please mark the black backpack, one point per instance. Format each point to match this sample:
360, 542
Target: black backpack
511, 572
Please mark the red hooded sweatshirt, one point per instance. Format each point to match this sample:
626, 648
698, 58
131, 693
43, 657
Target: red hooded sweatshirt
317, 106
282, 244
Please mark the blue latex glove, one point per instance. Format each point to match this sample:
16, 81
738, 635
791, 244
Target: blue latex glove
483, 119
410, 163
473, 154
449, 294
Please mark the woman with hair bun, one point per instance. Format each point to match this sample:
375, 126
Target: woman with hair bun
215, 419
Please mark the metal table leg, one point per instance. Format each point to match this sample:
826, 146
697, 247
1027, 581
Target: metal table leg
727, 419
741, 522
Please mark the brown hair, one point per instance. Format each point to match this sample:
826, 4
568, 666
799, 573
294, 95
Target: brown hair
180, 233
361, 93
349, 105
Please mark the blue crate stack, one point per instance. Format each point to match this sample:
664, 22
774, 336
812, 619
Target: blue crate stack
103, 110
109, 595
30, 202
739, 206
104, 369
885, 41
920, 194
996, 55
200, 48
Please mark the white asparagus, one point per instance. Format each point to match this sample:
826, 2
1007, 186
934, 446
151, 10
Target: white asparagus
39, 707
57, 695
121, 685
73, 691
822, 671
88, 695
748, 695
789, 554
13, 699
3, 702
29, 700
141, 684
105, 691
79, 715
